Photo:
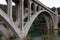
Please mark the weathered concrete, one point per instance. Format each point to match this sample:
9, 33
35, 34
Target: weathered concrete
33, 8
4, 30
56, 20
9, 8
10, 23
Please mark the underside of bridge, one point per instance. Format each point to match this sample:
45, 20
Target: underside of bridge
48, 19
27, 11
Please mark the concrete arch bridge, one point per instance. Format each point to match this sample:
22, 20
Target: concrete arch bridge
29, 9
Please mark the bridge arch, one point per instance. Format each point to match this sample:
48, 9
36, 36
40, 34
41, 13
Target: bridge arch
5, 18
45, 13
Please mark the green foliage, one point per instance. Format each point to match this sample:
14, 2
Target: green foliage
1, 34
36, 28
3, 7
53, 9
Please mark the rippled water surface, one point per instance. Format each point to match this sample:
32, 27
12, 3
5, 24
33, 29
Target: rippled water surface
51, 35
43, 34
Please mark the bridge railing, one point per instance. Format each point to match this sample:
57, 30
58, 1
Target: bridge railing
41, 4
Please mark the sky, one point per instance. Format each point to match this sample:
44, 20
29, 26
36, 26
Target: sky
49, 3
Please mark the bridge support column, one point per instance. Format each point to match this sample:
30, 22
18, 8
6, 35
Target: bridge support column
56, 20
9, 9
47, 22
17, 14
29, 11
21, 13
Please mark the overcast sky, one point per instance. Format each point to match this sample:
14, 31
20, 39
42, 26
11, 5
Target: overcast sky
49, 3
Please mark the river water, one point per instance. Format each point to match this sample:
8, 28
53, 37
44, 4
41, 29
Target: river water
44, 34
51, 35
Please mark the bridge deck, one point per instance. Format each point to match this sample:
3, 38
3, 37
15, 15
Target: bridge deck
41, 4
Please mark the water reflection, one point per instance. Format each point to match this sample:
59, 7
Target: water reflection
50, 35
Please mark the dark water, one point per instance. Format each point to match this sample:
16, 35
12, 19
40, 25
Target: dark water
42, 33
51, 35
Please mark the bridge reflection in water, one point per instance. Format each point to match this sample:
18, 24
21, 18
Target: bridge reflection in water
39, 31
50, 35
46, 35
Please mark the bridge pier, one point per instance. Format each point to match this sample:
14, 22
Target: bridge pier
9, 8
29, 11
47, 22
20, 29
20, 15
21, 12
56, 20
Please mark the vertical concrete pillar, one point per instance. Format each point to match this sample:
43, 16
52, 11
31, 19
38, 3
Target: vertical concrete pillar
47, 22
56, 20
21, 12
50, 23
17, 14
9, 9
29, 11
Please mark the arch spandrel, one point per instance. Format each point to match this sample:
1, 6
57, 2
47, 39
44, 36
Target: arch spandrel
28, 24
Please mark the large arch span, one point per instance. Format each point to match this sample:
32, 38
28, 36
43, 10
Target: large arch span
23, 29
10, 23
45, 13
27, 26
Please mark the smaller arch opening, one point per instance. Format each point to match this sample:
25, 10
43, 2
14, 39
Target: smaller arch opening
41, 8
25, 3
37, 8
25, 6
32, 6
32, 13
25, 20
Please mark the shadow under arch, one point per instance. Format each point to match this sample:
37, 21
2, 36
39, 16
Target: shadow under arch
43, 12
26, 2
49, 20
38, 27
